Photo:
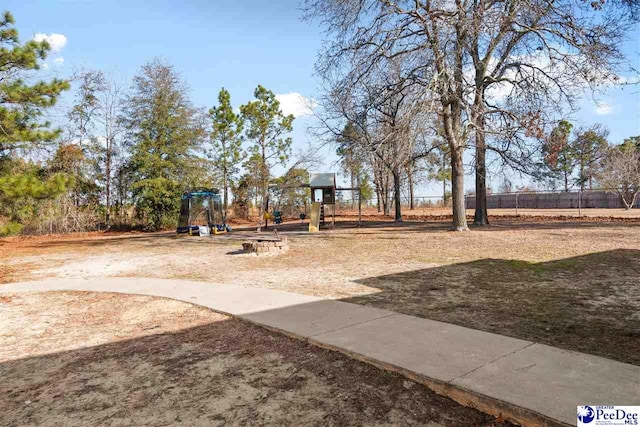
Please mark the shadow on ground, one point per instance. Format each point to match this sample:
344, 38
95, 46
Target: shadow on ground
587, 303
227, 372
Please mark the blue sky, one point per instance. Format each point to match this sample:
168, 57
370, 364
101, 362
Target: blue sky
232, 44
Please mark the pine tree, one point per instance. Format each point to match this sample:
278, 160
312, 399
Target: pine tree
24, 187
22, 106
164, 132
226, 138
267, 126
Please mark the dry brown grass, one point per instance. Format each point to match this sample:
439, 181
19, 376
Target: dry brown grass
69, 359
510, 212
568, 284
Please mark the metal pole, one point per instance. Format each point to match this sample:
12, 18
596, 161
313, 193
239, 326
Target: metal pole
516, 204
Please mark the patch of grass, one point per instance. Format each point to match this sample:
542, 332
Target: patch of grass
585, 303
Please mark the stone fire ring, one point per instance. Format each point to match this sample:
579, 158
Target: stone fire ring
266, 245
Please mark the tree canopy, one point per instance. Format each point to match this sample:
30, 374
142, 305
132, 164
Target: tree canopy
22, 103
266, 129
164, 132
226, 137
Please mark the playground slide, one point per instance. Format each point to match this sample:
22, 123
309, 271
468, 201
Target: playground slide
314, 220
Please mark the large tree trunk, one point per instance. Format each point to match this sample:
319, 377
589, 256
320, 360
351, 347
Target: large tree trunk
452, 114
397, 196
481, 216
457, 190
453, 130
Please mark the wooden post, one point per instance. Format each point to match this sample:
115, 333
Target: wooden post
516, 204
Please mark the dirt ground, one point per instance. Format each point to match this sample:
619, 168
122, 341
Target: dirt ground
70, 359
557, 213
571, 284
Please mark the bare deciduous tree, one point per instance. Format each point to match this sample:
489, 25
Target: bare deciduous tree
97, 125
425, 38
110, 103
621, 172
388, 114
542, 53
464, 51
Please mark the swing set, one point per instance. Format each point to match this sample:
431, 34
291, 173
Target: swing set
323, 202
201, 213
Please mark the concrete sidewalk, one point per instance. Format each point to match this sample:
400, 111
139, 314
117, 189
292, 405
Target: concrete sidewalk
529, 383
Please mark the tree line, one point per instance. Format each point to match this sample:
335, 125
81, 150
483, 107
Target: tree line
407, 88
404, 79
584, 158
124, 155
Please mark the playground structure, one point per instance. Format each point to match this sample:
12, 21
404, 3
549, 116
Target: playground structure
323, 200
323, 194
201, 213
323, 190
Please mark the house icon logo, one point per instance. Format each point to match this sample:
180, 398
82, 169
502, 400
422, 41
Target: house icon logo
586, 414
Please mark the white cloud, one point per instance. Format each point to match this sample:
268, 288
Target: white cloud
56, 41
59, 60
603, 108
296, 104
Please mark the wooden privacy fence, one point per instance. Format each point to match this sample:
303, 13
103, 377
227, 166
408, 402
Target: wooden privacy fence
552, 200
